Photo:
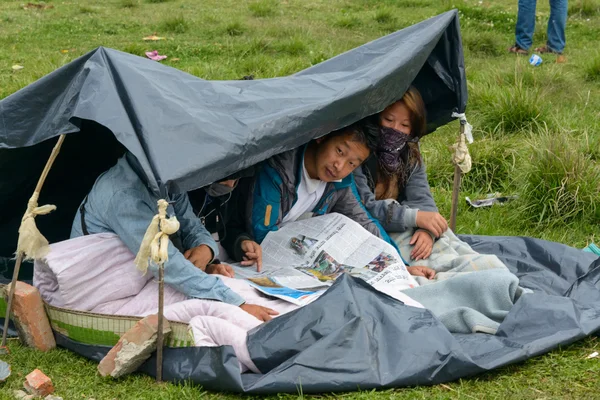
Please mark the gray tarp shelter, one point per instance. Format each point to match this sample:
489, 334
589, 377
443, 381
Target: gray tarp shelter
187, 132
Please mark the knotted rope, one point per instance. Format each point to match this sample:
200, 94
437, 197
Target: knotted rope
155, 245
461, 157
32, 244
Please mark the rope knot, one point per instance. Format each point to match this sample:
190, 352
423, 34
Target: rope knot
155, 245
31, 242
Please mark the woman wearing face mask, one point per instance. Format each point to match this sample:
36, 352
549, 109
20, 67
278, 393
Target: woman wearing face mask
218, 207
393, 185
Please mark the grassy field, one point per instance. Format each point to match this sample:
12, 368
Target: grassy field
536, 133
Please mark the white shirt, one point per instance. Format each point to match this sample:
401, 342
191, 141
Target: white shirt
309, 193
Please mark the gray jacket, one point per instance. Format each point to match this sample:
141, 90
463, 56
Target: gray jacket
401, 214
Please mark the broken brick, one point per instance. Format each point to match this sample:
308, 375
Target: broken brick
38, 384
30, 317
135, 346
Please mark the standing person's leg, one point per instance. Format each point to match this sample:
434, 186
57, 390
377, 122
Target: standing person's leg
525, 24
556, 25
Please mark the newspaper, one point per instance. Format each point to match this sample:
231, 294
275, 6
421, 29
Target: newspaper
306, 256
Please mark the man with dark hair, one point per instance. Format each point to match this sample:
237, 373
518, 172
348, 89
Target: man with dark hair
312, 180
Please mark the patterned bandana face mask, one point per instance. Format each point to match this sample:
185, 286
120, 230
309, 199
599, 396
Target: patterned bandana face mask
391, 144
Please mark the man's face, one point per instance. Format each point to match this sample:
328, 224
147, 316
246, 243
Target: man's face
337, 157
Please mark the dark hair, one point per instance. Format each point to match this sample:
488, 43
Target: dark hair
364, 131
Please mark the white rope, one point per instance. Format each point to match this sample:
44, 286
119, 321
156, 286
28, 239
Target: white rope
461, 156
32, 244
155, 245
468, 127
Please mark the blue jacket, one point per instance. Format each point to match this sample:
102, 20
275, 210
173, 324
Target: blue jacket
274, 193
120, 202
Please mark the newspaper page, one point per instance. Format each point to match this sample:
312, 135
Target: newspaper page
273, 288
308, 255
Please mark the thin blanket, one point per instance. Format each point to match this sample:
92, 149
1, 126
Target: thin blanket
77, 274
471, 292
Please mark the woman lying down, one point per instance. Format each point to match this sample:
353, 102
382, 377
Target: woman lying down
78, 275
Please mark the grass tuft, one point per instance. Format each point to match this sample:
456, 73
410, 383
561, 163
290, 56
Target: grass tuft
516, 108
484, 43
85, 9
157, 1
584, 8
263, 8
135, 48
493, 167
592, 69
347, 22
235, 28
559, 183
176, 24
385, 16
292, 47
411, 3
129, 3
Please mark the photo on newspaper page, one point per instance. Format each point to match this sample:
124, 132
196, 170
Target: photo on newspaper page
273, 288
310, 254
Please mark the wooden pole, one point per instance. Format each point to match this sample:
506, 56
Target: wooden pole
13, 284
20, 255
160, 337
456, 186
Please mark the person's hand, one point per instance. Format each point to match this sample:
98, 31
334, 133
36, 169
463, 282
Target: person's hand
200, 256
252, 254
421, 271
260, 312
220, 269
423, 243
432, 221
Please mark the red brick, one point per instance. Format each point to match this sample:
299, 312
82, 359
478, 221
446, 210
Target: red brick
135, 346
38, 384
30, 317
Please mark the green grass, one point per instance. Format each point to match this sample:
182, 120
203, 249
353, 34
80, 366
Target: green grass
235, 28
564, 374
537, 133
263, 8
130, 3
385, 16
592, 69
584, 8
177, 24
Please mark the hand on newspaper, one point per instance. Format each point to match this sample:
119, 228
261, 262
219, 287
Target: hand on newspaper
423, 243
253, 254
199, 256
421, 271
260, 312
220, 269
432, 221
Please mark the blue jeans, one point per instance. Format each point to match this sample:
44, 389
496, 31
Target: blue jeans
556, 24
